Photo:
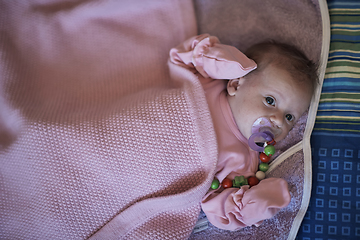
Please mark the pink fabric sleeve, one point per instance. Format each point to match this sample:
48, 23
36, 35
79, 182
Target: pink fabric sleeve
212, 59
234, 208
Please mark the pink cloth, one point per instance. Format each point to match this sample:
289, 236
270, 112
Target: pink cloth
211, 58
98, 141
232, 208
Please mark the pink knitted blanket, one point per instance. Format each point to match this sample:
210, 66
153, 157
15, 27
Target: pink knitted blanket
99, 137
95, 135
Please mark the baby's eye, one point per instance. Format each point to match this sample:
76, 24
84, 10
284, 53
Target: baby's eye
289, 117
270, 101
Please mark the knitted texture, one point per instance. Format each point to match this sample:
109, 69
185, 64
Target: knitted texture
95, 136
74, 178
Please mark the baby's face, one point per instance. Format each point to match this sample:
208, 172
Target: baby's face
271, 94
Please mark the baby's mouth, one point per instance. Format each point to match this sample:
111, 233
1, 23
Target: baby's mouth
263, 130
263, 124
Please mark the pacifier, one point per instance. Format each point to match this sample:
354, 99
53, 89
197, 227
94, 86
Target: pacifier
262, 131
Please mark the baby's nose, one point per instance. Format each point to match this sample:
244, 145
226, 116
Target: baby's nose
277, 118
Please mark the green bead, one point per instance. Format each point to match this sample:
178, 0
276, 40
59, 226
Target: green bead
215, 184
269, 150
263, 167
246, 182
239, 181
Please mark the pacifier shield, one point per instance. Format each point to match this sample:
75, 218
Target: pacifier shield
264, 124
259, 123
262, 131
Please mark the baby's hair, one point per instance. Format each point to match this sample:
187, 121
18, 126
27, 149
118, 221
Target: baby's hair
284, 56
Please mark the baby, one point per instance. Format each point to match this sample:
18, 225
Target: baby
269, 87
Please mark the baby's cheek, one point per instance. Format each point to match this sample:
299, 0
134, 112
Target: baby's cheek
286, 132
282, 136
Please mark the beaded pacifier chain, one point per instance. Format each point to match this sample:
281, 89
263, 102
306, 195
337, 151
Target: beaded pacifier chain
238, 181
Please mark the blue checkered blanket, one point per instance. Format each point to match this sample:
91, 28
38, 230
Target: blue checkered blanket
334, 210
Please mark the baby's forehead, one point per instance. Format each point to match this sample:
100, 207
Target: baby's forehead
296, 76
280, 79
303, 71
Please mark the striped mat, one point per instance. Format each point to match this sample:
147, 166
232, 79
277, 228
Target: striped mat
339, 107
334, 210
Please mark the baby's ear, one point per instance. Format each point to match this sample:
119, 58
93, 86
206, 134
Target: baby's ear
232, 86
